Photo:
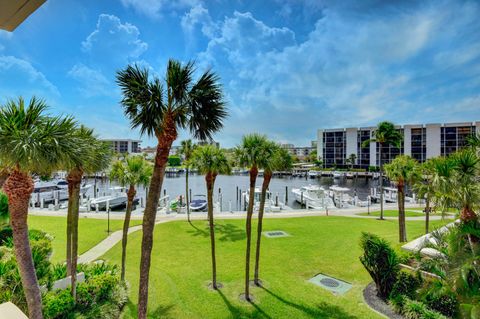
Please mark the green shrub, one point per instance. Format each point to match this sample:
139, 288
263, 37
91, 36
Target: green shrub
174, 160
445, 302
59, 271
381, 262
406, 285
96, 289
417, 310
96, 269
4, 215
397, 302
58, 304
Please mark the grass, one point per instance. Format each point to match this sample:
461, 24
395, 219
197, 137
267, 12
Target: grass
90, 232
180, 268
393, 213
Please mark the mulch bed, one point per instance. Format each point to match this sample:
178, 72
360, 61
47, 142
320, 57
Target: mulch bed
377, 304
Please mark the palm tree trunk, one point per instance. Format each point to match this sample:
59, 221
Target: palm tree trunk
427, 214
186, 194
253, 178
74, 179
126, 224
401, 212
381, 180
19, 187
69, 229
266, 182
165, 140
210, 179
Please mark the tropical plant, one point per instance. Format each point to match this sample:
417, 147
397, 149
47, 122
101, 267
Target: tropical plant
160, 112
186, 149
352, 160
211, 161
465, 189
4, 215
250, 153
4, 172
381, 262
425, 188
92, 155
385, 135
274, 158
131, 172
30, 141
403, 170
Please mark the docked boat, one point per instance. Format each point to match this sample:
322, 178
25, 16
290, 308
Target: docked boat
198, 203
313, 174
116, 199
314, 196
57, 189
349, 175
271, 205
340, 196
337, 175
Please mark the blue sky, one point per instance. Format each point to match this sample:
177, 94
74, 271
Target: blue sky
287, 67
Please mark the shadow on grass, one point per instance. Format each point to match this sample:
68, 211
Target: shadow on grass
237, 312
225, 232
323, 310
159, 312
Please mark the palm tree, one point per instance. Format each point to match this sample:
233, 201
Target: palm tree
275, 158
92, 156
30, 142
384, 135
4, 172
211, 161
186, 150
352, 159
425, 188
465, 190
130, 172
160, 112
250, 154
403, 170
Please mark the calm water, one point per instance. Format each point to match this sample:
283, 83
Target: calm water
175, 186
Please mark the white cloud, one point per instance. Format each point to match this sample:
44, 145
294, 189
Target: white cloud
114, 39
20, 77
154, 8
92, 82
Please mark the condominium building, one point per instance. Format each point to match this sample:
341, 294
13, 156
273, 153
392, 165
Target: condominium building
422, 141
124, 145
302, 152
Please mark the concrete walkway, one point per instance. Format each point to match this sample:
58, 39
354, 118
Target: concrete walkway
108, 243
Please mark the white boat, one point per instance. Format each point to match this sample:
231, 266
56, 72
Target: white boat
340, 196
117, 198
349, 175
270, 202
57, 189
337, 174
198, 203
314, 196
313, 174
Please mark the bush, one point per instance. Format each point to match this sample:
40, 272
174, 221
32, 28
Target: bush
417, 310
57, 304
406, 285
4, 215
440, 298
174, 160
381, 262
96, 290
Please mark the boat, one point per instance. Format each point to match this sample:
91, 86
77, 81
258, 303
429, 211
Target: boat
314, 196
340, 196
271, 205
313, 174
198, 203
349, 175
57, 189
337, 174
117, 198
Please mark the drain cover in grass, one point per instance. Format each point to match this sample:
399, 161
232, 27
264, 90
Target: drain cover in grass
275, 234
334, 285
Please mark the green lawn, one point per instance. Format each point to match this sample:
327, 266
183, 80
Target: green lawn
393, 213
180, 268
90, 232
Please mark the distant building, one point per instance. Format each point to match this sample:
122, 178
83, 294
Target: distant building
125, 145
420, 141
302, 153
